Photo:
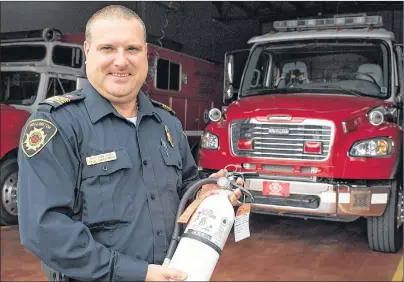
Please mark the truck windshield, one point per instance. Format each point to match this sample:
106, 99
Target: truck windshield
19, 87
326, 66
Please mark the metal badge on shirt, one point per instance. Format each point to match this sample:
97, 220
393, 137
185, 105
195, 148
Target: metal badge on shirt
102, 158
169, 136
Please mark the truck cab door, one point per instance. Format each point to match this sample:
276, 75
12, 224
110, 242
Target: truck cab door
234, 64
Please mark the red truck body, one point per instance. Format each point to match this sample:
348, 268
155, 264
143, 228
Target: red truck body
336, 109
11, 122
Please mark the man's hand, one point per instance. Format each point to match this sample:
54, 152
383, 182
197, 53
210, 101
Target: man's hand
234, 197
162, 273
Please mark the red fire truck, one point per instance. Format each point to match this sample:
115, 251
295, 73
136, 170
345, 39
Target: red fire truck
314, 119
39, 64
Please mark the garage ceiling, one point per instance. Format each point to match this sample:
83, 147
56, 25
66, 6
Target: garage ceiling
267, 11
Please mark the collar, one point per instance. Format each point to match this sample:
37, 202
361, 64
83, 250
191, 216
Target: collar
146, 108
98, 107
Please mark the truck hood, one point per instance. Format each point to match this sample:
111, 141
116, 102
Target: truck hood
305, 105
7, 108
12, 119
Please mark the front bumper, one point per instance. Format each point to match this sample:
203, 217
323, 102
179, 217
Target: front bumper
321, 199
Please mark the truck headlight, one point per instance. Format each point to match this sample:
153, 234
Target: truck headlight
215, 114
378, 115
209, 141
375, 147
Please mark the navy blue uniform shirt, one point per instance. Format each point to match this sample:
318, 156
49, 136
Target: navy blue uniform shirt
131, 180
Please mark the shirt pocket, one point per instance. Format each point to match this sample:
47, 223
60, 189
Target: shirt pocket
172, 176
101, 184
173, 164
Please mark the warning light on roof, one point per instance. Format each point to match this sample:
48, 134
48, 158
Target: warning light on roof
340, 21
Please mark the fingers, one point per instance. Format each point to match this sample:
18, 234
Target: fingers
237, 193
235, 196
174, 274
240, 181
220, 173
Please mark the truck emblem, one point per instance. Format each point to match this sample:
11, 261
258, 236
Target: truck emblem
283, 117
275, 188
278, 131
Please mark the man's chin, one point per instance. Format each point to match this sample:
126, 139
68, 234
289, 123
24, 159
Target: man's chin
120, 95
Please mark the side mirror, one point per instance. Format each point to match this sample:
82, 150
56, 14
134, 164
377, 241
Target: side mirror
399, 100
234, 64
230, 68
400, 62
228, 78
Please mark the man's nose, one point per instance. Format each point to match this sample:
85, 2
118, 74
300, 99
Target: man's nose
121, 59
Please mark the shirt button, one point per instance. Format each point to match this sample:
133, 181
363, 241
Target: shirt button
159, 233
144, 162
152, 197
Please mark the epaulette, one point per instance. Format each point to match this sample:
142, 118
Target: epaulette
163, 106
59, 100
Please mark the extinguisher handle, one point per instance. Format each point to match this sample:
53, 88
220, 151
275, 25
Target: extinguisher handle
244, 191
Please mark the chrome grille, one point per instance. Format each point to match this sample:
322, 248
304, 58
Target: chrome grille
282, 140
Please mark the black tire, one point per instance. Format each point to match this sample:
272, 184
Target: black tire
7, 169
382, 231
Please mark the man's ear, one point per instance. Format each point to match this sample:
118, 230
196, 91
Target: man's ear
86, 48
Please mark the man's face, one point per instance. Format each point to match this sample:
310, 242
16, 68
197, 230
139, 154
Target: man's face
117, 58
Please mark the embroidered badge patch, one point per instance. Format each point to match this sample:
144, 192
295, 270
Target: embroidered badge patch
59, 99
169, 136
167, 108
37, 134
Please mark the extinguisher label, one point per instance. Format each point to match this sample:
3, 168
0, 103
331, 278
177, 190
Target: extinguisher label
200, 234
186, 215
241, 223
205, 224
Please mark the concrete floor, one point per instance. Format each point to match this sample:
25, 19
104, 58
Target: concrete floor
279, 249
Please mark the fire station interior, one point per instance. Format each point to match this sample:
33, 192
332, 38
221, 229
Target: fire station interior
303, 97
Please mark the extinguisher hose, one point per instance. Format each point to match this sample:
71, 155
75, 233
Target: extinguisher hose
189, 194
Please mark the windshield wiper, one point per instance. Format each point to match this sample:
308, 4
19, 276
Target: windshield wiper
284, 90
256, 91
347, 91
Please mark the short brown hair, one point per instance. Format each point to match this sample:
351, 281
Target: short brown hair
114, 12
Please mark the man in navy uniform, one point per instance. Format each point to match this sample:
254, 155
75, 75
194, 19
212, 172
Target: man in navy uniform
103, 169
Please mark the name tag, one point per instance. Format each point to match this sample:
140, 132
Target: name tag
101, 158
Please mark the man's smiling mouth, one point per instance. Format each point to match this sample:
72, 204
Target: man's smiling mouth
120, 74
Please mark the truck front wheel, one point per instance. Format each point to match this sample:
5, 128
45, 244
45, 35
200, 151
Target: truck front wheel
8, 184
385, 233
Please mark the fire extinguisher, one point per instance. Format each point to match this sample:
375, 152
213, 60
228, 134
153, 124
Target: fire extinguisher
198, 250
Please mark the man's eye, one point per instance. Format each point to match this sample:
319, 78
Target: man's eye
133, 48
106, 48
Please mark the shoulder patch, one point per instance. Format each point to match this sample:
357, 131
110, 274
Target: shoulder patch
163, 106
36, 135
57, 101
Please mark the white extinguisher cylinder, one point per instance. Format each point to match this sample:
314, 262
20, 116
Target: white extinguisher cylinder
204, 238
